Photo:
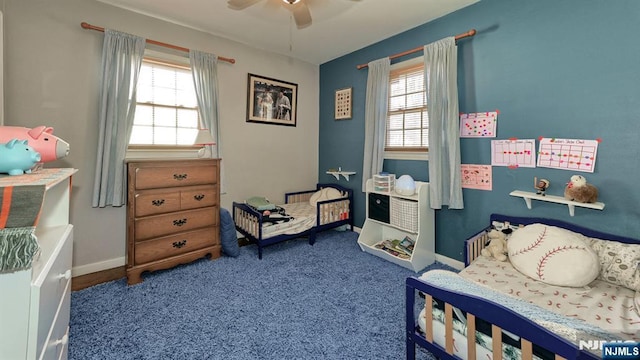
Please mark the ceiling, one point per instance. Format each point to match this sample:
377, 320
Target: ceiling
338, 28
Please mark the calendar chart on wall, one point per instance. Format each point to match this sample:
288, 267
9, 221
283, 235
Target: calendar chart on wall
568, 154
513, 153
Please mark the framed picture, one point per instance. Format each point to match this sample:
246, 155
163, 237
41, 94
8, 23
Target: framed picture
343, 104
271, 101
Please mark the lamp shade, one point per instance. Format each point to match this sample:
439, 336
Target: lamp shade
204, 138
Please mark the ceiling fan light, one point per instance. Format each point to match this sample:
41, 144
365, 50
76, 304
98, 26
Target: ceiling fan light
291, 2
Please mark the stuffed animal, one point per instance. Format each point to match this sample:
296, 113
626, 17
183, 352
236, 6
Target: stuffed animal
497, 247
17, 158
579, 190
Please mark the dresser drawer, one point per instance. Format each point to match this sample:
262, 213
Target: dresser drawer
150, 203
177, 175
160, 225
167, 246
51, 288
198, 197
58, 337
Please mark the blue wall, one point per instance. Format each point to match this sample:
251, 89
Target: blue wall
553, 68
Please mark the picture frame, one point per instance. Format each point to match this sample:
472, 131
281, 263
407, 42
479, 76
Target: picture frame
343, 102
271, 101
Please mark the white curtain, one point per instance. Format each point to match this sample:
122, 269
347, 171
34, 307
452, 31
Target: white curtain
375, 117
121, 60
441, 67
204, 68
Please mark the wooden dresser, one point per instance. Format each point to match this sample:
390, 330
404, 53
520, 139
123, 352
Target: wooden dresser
173, 213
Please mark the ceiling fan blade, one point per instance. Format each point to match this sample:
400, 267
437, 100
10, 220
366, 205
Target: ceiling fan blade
301, 15
240, 4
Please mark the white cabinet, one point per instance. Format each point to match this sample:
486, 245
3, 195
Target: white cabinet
392, 216
35, 303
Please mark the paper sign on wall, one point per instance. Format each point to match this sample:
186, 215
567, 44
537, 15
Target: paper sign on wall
568, 154
476, 176
478, 124
513, 153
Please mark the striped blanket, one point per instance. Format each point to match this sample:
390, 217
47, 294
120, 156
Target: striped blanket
19, 213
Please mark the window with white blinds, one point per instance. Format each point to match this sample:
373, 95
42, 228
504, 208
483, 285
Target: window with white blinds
166, 108
407, 120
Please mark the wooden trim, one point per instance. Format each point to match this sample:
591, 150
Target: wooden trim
88, 280
471, 336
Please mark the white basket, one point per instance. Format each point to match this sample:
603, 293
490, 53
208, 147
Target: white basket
404, 214
384, 183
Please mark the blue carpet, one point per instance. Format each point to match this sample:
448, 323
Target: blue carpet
327, 301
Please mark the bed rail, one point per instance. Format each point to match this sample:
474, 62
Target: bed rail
476, 308
474, 245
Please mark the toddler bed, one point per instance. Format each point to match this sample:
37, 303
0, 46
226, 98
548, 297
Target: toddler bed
303, 213
494, 302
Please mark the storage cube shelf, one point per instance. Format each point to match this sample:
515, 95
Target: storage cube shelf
392, 216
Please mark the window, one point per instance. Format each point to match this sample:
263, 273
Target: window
166, 109
407, 120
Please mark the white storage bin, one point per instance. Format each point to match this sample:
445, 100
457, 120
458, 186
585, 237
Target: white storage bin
404, 214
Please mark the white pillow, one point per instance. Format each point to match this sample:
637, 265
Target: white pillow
619, 262
324, 194
553, 255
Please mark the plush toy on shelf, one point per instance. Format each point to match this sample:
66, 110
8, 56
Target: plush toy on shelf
579, 190
17, 158
497, 247
40, 138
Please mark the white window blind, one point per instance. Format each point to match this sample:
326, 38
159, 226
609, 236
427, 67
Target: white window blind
407, 120
166, 109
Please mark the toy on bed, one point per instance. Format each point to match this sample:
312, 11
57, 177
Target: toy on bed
497, 247
535, 305
303, 213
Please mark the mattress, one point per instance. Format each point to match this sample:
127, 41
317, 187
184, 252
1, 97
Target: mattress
302, 218
610, 307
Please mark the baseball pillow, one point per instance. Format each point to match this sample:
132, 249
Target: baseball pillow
553, 255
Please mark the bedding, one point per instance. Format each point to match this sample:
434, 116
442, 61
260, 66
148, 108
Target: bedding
303, 213
560, 320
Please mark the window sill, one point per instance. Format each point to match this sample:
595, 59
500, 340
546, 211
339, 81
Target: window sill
407, 155
165, 153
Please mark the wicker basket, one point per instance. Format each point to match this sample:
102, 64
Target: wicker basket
404, 214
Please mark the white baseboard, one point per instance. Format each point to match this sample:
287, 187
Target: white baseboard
99, 266
459, 265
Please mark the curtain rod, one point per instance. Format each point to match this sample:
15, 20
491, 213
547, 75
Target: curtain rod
154, 42
469, 33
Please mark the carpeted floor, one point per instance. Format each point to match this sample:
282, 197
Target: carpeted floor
327, 301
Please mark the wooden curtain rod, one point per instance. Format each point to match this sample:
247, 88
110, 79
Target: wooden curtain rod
154, 42
469, 33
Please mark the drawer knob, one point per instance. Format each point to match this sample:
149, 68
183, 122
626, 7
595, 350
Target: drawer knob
63, 341
157, 202
179, 244
180, 177
179, 222
66, 275
199, 197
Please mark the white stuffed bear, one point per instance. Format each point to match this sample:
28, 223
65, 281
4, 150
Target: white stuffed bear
497, 247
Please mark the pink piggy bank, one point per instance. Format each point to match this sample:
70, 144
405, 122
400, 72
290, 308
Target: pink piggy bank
40, 138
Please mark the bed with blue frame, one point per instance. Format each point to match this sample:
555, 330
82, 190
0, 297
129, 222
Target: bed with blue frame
329, 214
498, 318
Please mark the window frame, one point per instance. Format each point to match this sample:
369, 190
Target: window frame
149, 151
405, 153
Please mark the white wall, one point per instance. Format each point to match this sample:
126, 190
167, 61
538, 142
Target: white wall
52, 77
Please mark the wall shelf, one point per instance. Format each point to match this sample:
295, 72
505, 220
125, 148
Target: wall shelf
345, 174
527, 196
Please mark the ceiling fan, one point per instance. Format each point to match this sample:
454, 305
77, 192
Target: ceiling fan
299, 8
